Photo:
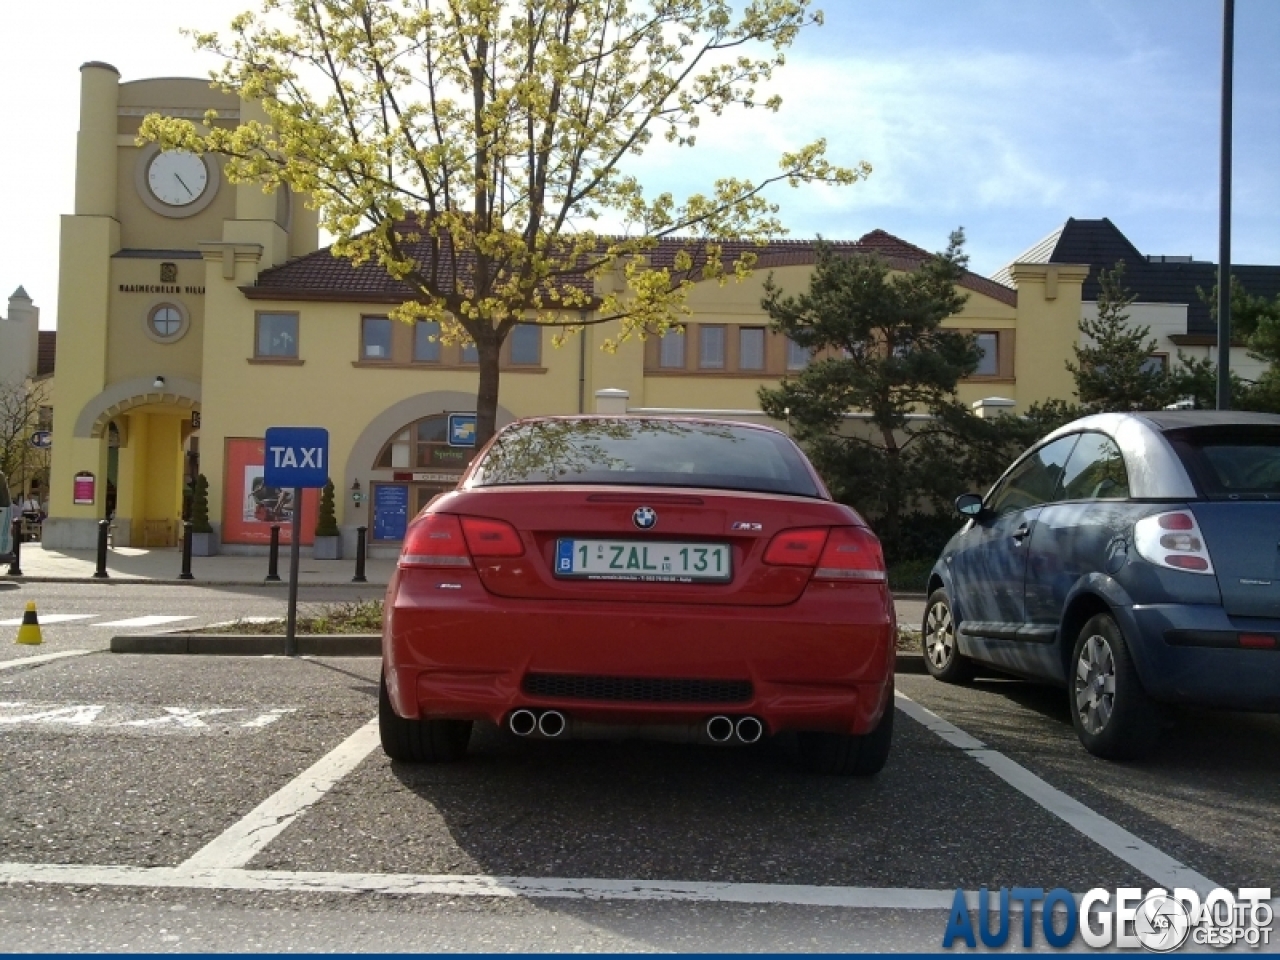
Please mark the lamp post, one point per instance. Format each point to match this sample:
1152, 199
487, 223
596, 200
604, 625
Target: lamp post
1224, 211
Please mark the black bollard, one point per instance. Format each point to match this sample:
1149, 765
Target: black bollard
15, 565
273, 559
360, 577
104, 527
186, 552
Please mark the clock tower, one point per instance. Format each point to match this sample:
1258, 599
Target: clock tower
147, 227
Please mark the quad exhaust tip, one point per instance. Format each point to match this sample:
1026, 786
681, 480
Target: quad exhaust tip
551, 723
719, 729
750, 729
522, 722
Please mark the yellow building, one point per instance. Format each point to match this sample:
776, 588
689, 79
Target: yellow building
194, 314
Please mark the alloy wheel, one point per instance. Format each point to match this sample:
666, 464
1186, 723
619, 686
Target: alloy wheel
1095, 684
940, 635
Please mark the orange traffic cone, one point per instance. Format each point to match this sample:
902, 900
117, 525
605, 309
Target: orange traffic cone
29, 632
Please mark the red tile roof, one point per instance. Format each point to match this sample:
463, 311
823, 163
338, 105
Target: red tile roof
323, 276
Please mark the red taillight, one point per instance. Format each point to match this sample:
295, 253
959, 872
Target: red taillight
491, 538
1184, 562
841, 553
852, 553
1176, 521
1257, 641
435, 541
800, 547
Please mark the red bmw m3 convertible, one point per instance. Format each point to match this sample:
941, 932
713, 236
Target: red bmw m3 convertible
634, 576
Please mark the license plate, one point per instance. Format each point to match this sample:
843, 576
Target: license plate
650, 560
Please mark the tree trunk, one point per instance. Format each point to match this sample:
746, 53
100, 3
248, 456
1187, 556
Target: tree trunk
487, 351
893, 495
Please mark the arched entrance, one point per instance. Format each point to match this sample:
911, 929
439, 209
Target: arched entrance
403, 458
423, 464
152, 430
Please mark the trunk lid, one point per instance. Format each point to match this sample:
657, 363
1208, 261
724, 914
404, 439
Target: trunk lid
1243, 538
544, 515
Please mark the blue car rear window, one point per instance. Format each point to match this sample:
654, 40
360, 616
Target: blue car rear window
657, 452
1233, 464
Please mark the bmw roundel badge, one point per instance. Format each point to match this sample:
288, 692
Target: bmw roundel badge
646, 518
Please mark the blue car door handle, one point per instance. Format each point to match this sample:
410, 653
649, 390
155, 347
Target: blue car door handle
1021, 534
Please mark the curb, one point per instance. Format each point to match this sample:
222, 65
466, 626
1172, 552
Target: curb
175, 582
909, 663
249, 645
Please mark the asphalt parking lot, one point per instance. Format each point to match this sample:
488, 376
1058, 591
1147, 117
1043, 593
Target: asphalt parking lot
222, 803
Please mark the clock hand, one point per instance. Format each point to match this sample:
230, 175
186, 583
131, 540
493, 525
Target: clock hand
184, 186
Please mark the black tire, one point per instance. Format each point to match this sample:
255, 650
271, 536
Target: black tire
942, 656
1113, 716
419, 741
844, 755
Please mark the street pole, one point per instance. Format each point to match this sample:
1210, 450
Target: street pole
1224, 211
291, 623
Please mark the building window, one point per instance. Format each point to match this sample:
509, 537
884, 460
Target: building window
277, 335
526, 345
710, 347
470, 354
1156, 363
375, 338
751, 348
671, 352
797, 356
166, 322
988, 347
426, 342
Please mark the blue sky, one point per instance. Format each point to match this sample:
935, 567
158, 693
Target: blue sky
1004, 116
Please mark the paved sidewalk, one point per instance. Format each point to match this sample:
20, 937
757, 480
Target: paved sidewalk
136, 565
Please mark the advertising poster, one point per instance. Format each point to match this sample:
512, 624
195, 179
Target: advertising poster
83, 488
250, 507
390, 511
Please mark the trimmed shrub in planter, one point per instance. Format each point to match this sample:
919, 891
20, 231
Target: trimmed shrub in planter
328, 542
204, 542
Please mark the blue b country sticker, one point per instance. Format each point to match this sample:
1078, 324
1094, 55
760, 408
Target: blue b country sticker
564, 556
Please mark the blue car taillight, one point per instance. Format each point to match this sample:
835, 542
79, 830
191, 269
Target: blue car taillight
1173, 540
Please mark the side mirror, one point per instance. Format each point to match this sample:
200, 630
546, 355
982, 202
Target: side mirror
969, 505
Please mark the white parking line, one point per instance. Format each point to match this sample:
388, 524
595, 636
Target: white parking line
41, 658
464, 885
1160, 867
46, 619
243, 840
148, 621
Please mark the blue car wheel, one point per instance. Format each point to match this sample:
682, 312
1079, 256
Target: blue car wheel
1113, 716
942, 656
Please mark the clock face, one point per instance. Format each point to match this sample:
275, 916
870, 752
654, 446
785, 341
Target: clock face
177, 178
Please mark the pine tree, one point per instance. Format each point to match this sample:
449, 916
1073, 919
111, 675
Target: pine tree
880, 349
1114, 371
326, 519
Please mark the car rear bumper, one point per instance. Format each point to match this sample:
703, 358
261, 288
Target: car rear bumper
822, 663
1184, 657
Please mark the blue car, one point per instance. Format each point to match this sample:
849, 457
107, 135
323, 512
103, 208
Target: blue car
1133, 558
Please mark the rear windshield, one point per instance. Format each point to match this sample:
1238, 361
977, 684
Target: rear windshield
1233, 464
669, 453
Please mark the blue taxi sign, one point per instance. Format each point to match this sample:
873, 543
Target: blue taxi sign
296, 457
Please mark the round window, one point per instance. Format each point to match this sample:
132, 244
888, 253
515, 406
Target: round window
166, 322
